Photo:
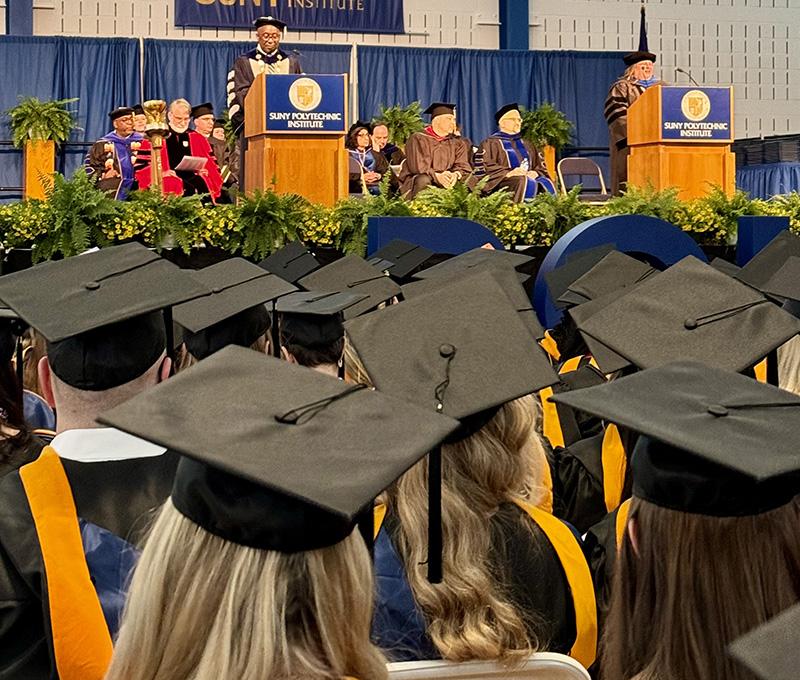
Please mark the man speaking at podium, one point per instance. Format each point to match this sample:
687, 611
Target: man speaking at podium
267, 57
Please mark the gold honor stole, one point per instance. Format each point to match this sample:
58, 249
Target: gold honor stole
81, 641
576, 569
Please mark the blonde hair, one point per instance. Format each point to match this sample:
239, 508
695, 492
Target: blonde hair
203, 608
469, 616
789, 365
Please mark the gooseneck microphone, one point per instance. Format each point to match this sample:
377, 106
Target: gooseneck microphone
686, 73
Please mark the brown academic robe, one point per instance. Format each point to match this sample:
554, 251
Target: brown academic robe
620, 97
427, 155
496, 167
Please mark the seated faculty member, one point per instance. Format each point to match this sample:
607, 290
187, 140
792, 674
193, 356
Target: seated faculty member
111, 162
511, 162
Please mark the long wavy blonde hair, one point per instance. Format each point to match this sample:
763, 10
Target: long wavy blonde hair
203, 608
469, 615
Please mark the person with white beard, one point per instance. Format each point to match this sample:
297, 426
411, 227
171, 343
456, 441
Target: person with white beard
180, 143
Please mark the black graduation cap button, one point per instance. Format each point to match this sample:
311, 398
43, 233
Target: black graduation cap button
717, 410
92, 285
446, 351
690, 324
216, 290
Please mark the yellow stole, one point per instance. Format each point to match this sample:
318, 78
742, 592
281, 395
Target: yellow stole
81, 641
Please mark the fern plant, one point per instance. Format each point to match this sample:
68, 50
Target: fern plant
664, 205
36, 120
269, 220
402, 121
74, 213
351, 215
175, 219
564, 211
546, 126
462, 201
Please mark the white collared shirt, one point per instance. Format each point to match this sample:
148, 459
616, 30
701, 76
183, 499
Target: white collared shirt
101, 444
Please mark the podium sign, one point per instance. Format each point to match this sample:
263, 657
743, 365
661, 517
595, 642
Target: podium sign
681, 137
294, 127
306, 104
691, 114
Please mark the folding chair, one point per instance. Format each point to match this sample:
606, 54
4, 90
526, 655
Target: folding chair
582, 168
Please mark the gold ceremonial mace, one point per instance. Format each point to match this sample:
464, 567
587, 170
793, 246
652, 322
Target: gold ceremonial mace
156, 130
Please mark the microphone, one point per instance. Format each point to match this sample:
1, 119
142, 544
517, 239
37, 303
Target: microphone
686, 73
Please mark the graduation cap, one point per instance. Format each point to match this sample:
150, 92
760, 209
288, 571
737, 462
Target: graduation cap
772, 651
722, 265
770, 259
713, 442
206, 109
314, 320
503, 110
119, 112
290, 466
233, 311
99, 311
269, 21
692, 311
606, 358
219, 123
785, 282
440, 109
359, 125
639, 55
291, 263
510, 280
352, 274
614, 271
559, 279
138, 110
461, 350
479, 257
400, 258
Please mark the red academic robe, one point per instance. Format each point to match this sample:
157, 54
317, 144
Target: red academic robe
198, 146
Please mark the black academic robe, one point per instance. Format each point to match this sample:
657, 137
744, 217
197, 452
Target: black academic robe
118, 496
496, 167
579, 483
244, 72
426, 155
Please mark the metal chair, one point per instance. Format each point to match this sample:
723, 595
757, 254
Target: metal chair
540, 666
582, 168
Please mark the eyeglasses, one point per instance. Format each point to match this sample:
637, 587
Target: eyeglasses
270, 36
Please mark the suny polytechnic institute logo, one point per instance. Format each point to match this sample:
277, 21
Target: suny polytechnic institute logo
305, 94
696, 105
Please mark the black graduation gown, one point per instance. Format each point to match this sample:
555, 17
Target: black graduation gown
116, 495
579, 481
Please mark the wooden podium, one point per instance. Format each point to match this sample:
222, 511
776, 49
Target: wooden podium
295, 142
681, 137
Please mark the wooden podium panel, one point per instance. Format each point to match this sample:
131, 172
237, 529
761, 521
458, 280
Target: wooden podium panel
664, 156
313, 164
316, 169
693, 168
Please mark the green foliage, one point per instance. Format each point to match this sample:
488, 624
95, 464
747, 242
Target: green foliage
73, 217
230, 130
402, 121
351, 217
461, 201
269, 220
36, 120
664, 205
546, 126
76, 216
167, 220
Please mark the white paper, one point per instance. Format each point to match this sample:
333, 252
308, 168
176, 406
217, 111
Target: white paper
191, 164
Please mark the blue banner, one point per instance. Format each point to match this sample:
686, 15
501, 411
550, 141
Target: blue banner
306, 104
696, 114
347, 16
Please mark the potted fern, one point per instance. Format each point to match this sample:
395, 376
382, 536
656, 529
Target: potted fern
36, 127
548, 129
402, 121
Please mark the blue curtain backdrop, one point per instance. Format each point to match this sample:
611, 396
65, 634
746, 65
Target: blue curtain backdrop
198, 71
480, 81
763, 181
102, 73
